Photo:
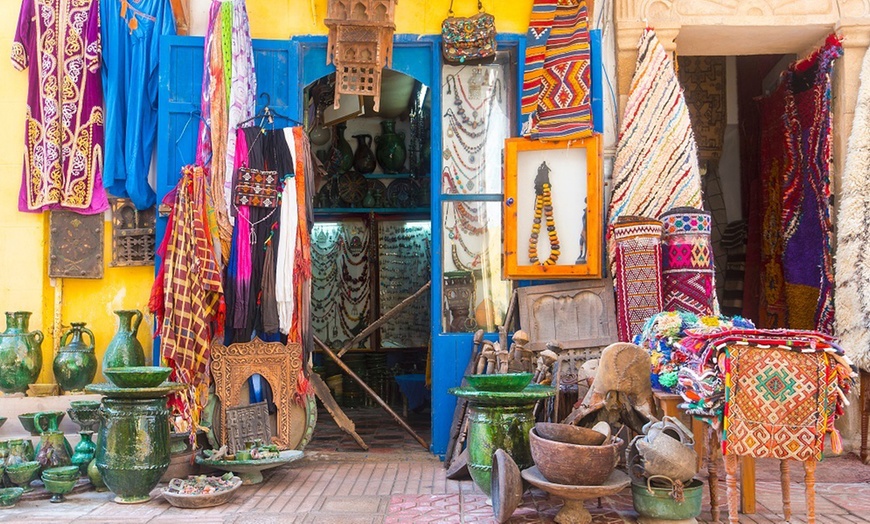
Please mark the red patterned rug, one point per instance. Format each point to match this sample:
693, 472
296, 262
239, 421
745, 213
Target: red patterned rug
637, 260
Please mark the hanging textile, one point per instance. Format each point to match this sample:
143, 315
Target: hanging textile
229, 88
774, 163
63, 149
806, 210
187, 292
256, 230
131, 33
687, 266
656, 166
637, 273
853, 234
300, 327
561, 84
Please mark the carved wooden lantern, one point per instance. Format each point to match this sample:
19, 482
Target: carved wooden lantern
278, 364
360, 44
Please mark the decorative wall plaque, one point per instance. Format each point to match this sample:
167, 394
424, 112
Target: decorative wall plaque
278, 364
133, 234
247, 423
75, 247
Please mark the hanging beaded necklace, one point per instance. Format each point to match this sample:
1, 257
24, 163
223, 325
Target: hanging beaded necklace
543, 206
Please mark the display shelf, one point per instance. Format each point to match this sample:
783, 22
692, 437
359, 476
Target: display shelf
322, 211
394, 175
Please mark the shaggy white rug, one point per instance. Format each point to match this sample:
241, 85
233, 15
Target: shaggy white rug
852, 263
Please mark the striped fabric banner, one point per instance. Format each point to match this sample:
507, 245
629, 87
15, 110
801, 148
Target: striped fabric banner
656, 166
543, 12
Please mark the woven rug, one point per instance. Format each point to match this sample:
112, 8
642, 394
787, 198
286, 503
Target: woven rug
656, 166
853, 235
806, 209
564, 110
773, 165
637, 277
779, 402
540, 24
687, 262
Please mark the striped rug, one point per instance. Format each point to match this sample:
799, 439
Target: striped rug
637, 277
543, 12
656, 166
687, 262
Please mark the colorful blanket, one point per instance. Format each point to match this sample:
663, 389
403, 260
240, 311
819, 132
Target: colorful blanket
637, 277
687, 268
563, 108
656, 166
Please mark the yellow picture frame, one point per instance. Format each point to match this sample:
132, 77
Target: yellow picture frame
573, 169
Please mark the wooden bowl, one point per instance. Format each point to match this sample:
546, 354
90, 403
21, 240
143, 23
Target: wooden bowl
571, 464
137, 376
506, 382
569, 434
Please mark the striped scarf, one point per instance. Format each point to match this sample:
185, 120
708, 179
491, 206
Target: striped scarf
656, 166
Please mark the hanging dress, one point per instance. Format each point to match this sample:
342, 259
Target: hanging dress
131, 31
59, 40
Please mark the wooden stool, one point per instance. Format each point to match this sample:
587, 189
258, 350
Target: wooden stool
809, 479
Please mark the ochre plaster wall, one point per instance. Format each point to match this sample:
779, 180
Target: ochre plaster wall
24, 282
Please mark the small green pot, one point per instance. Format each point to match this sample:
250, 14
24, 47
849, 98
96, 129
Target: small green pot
657, 503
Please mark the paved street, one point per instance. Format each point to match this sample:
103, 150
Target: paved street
407, 487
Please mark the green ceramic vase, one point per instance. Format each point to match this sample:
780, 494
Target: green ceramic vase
391, 150
133, 446
497, 427
20, 353
125, 350
17, 452
84, 452
76, 363
341, 154
363, 157
95, 477
53, 450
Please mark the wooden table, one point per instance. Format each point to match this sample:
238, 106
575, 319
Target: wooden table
667, 405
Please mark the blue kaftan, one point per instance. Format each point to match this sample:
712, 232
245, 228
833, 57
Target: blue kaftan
131, 31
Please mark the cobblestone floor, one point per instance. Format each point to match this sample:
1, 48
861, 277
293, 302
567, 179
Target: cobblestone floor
405, 487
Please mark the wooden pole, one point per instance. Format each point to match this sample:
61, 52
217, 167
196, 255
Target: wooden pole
381, 321
370, 391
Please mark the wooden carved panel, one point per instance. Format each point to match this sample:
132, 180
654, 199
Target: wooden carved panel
578, 314
133, 234
75, 245
247, 423
278, 364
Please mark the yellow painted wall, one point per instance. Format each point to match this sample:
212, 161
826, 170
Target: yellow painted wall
24, 283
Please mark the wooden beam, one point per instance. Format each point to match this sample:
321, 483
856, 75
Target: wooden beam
343, 421
389, 315
370, 391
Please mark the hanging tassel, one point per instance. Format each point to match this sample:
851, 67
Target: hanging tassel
836, 441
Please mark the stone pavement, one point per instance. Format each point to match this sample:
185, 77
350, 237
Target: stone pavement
408, 487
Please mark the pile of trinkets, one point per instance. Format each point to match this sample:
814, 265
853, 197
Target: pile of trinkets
202, 484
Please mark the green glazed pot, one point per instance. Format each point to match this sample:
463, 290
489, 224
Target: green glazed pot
124, 350
20, 353
391, 150
133, 446
53, 450
76, 363
95, 477
497, 427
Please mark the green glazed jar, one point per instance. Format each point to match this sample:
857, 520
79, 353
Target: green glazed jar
125, 350
341, 154
133, 446
391, 150
84, 452
20, 353
95, 477
76, 363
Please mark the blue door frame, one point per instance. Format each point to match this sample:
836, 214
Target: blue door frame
284, 68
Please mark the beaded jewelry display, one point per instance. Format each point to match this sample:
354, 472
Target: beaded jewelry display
543, 208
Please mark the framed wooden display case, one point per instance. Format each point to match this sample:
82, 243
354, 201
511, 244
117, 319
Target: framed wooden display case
552, 209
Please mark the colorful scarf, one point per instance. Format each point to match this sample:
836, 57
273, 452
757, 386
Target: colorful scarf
656, 166
687, 269
637, 275
563, 109
190, 292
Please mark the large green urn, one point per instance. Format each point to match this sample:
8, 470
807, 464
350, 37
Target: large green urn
391, 150
499, 420
20, 353
133, 446
76, 363
124, 350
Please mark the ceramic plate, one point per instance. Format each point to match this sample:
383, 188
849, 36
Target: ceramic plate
112, 391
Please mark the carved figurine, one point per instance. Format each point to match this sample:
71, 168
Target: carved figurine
520, 357
502, 358
544, 370
486, 361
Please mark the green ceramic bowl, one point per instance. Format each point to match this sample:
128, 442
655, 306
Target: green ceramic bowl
9, 496
28, 423
505, 382
60, 487
85, 404
137, 377
61, 473
22, 473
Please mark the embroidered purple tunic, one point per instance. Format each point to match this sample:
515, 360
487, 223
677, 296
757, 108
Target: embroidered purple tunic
60, 41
